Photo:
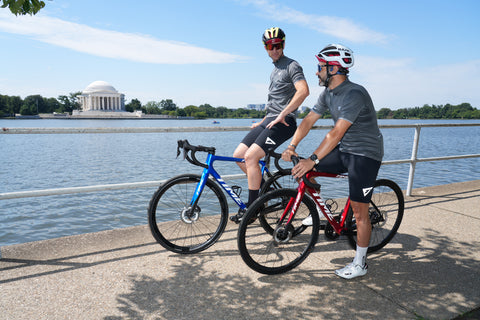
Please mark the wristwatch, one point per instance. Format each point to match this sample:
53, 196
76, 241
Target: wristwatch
314, 158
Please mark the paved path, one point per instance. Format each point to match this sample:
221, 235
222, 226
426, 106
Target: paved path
431, 270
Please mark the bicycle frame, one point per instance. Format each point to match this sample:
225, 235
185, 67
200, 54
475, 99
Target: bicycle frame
210, 171
292, 206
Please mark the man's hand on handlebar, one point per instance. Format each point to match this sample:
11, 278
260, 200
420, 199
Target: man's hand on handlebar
303, 166
287, 154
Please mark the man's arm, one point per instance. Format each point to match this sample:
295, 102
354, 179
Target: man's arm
330, 141
332, 138
302, 92
302, 130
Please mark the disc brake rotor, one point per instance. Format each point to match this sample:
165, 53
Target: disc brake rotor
189, 216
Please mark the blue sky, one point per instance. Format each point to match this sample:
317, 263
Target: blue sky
407, 53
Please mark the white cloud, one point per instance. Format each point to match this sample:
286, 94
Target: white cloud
401, 83
334, 26
110, 44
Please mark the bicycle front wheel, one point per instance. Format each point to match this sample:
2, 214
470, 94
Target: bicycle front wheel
279, 180
180, 228
386, 213
285, 248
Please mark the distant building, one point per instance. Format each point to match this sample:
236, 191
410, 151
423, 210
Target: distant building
101, 96
258, 107
302, 109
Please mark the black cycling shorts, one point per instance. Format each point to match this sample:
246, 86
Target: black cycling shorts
362, 172
270, 139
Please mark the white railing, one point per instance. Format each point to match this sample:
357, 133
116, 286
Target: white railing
48, 192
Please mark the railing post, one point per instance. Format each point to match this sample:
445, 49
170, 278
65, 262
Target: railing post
413, 159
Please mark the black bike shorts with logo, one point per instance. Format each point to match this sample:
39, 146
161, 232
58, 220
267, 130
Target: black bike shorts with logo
270, 139
362, 172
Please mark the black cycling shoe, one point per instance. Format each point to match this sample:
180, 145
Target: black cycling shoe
238, 217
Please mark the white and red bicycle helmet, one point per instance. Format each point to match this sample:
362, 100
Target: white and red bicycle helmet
336, 55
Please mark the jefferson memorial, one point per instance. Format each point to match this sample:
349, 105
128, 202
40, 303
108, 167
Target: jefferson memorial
101, 100
101, 96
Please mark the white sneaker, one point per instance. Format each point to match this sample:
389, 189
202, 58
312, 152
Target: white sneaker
308, 221
352, 271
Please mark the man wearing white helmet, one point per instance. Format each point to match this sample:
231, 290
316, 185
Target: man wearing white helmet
354, 145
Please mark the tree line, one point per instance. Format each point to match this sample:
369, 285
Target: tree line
448, 111
36, 104
168, 107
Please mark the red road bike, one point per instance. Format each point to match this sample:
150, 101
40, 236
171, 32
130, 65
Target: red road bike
273, 238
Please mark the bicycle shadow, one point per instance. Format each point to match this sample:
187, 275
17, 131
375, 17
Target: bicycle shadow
405, 281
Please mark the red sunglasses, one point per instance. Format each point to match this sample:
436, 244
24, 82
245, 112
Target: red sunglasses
271, 46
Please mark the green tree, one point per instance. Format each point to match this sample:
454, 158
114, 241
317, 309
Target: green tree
70, 102
167, 105
133, 105
14, 104
34, 104
180, 112
190, 110
384, 113
200, 115
152, 107
304, 113
221, 112
23, 7
3, 105
52, 105
208, 110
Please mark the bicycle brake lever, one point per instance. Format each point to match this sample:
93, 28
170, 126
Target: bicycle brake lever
295, 160
181, 145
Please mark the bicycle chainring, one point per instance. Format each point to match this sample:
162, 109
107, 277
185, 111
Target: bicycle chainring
330, 232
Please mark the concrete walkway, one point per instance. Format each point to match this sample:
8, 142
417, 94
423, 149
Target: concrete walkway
431, 270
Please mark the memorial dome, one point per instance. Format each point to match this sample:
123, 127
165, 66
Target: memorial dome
99, 87
101, 96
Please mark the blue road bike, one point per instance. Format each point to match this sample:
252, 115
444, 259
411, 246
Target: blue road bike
188, 213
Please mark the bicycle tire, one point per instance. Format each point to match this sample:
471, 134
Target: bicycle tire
271, 253
386, 214
179, 230
279, 180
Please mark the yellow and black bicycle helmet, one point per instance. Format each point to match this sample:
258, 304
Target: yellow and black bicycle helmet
273, 36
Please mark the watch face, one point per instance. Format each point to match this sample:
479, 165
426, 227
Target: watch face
313, 157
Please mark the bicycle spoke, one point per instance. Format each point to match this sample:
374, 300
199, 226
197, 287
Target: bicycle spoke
386, 213
282, 249
180, 228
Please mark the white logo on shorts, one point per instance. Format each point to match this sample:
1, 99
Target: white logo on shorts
269, 141
366, 191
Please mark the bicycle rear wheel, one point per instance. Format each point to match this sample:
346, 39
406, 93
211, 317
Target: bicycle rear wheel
386, 213
279, 180
285, 248
176, 226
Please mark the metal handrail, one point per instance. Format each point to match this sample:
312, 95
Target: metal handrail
48, 192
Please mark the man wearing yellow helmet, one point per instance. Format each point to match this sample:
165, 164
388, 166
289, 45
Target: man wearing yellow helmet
287, 91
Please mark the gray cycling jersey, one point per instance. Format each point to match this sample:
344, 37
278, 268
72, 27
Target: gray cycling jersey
351, 102
282, 85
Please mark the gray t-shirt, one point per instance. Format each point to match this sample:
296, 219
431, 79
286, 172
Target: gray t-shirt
351, 102
282, 85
